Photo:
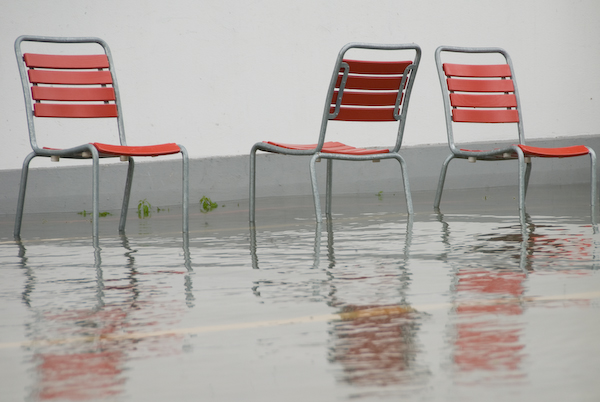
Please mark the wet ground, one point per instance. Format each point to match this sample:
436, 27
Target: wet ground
450, 306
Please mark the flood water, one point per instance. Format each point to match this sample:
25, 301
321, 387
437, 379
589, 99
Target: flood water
370, 306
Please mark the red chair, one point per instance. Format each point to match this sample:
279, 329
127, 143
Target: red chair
487, 93
369, 90
83, 87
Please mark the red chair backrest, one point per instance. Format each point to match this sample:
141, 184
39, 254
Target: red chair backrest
370, 91
481, 93
61, 82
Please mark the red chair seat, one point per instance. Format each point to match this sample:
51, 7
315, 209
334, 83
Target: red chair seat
144, 150
107, 150
332, 147
561, 152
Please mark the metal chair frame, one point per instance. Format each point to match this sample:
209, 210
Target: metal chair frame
324, 150
520, 151
93, 151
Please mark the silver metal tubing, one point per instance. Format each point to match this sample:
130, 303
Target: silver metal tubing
95, 191
252, 186
126, 195
522, 174
442, 180
315, 188
329, 189
594, 185
527, 175
185, 188
409, 205
22, 191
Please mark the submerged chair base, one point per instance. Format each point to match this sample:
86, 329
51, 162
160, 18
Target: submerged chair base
523, 154
92, 151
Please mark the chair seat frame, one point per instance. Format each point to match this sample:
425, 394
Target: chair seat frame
91, 151
520, 152
321, 150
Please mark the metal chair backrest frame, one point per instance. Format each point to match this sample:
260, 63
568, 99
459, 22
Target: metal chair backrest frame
479, 93
370, 91
68, 86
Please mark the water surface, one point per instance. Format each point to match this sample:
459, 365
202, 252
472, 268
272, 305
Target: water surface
371, 305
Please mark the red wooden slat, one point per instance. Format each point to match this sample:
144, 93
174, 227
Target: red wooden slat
73, 94
69, 77
465, 85
367, 98
365, 114
33, 60
371, 83
485, 116
145, 150
75, 111
377, 67
477, 70
471, 100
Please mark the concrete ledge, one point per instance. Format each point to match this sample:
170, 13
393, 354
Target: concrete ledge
68, 189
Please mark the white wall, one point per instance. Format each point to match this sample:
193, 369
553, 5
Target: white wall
214, 75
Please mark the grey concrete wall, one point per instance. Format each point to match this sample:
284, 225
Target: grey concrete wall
68, 189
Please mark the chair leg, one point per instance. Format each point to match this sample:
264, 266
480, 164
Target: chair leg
594, 185
185, 189
528, 167
126, 196
407, 195
328, 188
253, 250
315, 189
95, 192
522, 189
317, 247
252, 195
440, 188
22, 190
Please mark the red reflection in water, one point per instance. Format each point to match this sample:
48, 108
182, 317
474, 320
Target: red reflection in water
86, 364
482, 348
90, 365
85, 369
572, 246
80, 376
375, 344
483, 340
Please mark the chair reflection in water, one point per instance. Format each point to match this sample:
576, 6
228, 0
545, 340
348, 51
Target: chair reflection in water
80, 86
373, 342
486, 335
82, 352
371, 89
